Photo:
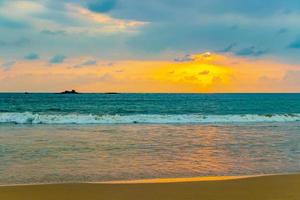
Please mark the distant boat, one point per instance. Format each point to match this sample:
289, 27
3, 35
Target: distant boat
69, 92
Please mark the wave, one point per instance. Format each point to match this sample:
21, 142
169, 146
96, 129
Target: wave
34, 118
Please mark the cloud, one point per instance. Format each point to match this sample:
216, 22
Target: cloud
234, 27
136, 8
18, 42
53, 33
282, 31
156, 29
62, 26
86, 63
22, 41
251, 51
212, 25
32, 56
8, 65
106, 77
205, 72
194, 57
12, 24
57, 59
102, 5
290, 81
295, 44
185, 58
108, 23
229, 48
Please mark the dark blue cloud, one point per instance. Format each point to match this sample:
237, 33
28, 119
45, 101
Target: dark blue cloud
228, 48
246, 28
102, 5
172, 9
251, 51
187, 36
57, 59
234, 27
212, 25
282, 31
32, 56
295, 44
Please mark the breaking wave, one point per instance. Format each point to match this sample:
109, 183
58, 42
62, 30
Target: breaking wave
34, 118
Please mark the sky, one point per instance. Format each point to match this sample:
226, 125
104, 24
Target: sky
150, 46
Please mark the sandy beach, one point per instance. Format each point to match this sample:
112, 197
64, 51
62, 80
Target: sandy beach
275, 187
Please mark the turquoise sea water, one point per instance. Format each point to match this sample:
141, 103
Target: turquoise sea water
96, 137
148, 108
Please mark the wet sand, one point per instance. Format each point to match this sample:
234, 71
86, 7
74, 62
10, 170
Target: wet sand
274, 187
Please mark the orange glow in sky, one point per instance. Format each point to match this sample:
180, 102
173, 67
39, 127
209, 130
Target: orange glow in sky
206, 72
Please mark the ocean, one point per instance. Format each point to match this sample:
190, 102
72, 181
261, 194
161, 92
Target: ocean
55, 138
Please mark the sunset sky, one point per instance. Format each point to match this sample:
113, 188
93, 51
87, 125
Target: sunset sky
150, 46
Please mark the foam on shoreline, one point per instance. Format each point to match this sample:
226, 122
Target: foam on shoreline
35, 118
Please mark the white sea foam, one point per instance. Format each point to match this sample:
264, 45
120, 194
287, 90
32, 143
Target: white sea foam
31, 118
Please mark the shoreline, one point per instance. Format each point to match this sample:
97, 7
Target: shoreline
156, 180
270, 187
183, 179
153, 180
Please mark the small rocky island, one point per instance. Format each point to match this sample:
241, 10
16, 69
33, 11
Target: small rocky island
69, 92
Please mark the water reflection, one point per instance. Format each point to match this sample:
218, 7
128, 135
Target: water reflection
30, 154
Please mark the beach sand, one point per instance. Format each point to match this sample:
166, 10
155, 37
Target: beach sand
273, 187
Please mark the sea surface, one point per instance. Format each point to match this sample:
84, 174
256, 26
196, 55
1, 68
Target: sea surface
54, 138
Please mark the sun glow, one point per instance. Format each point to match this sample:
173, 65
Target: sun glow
205, 72
200, 70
